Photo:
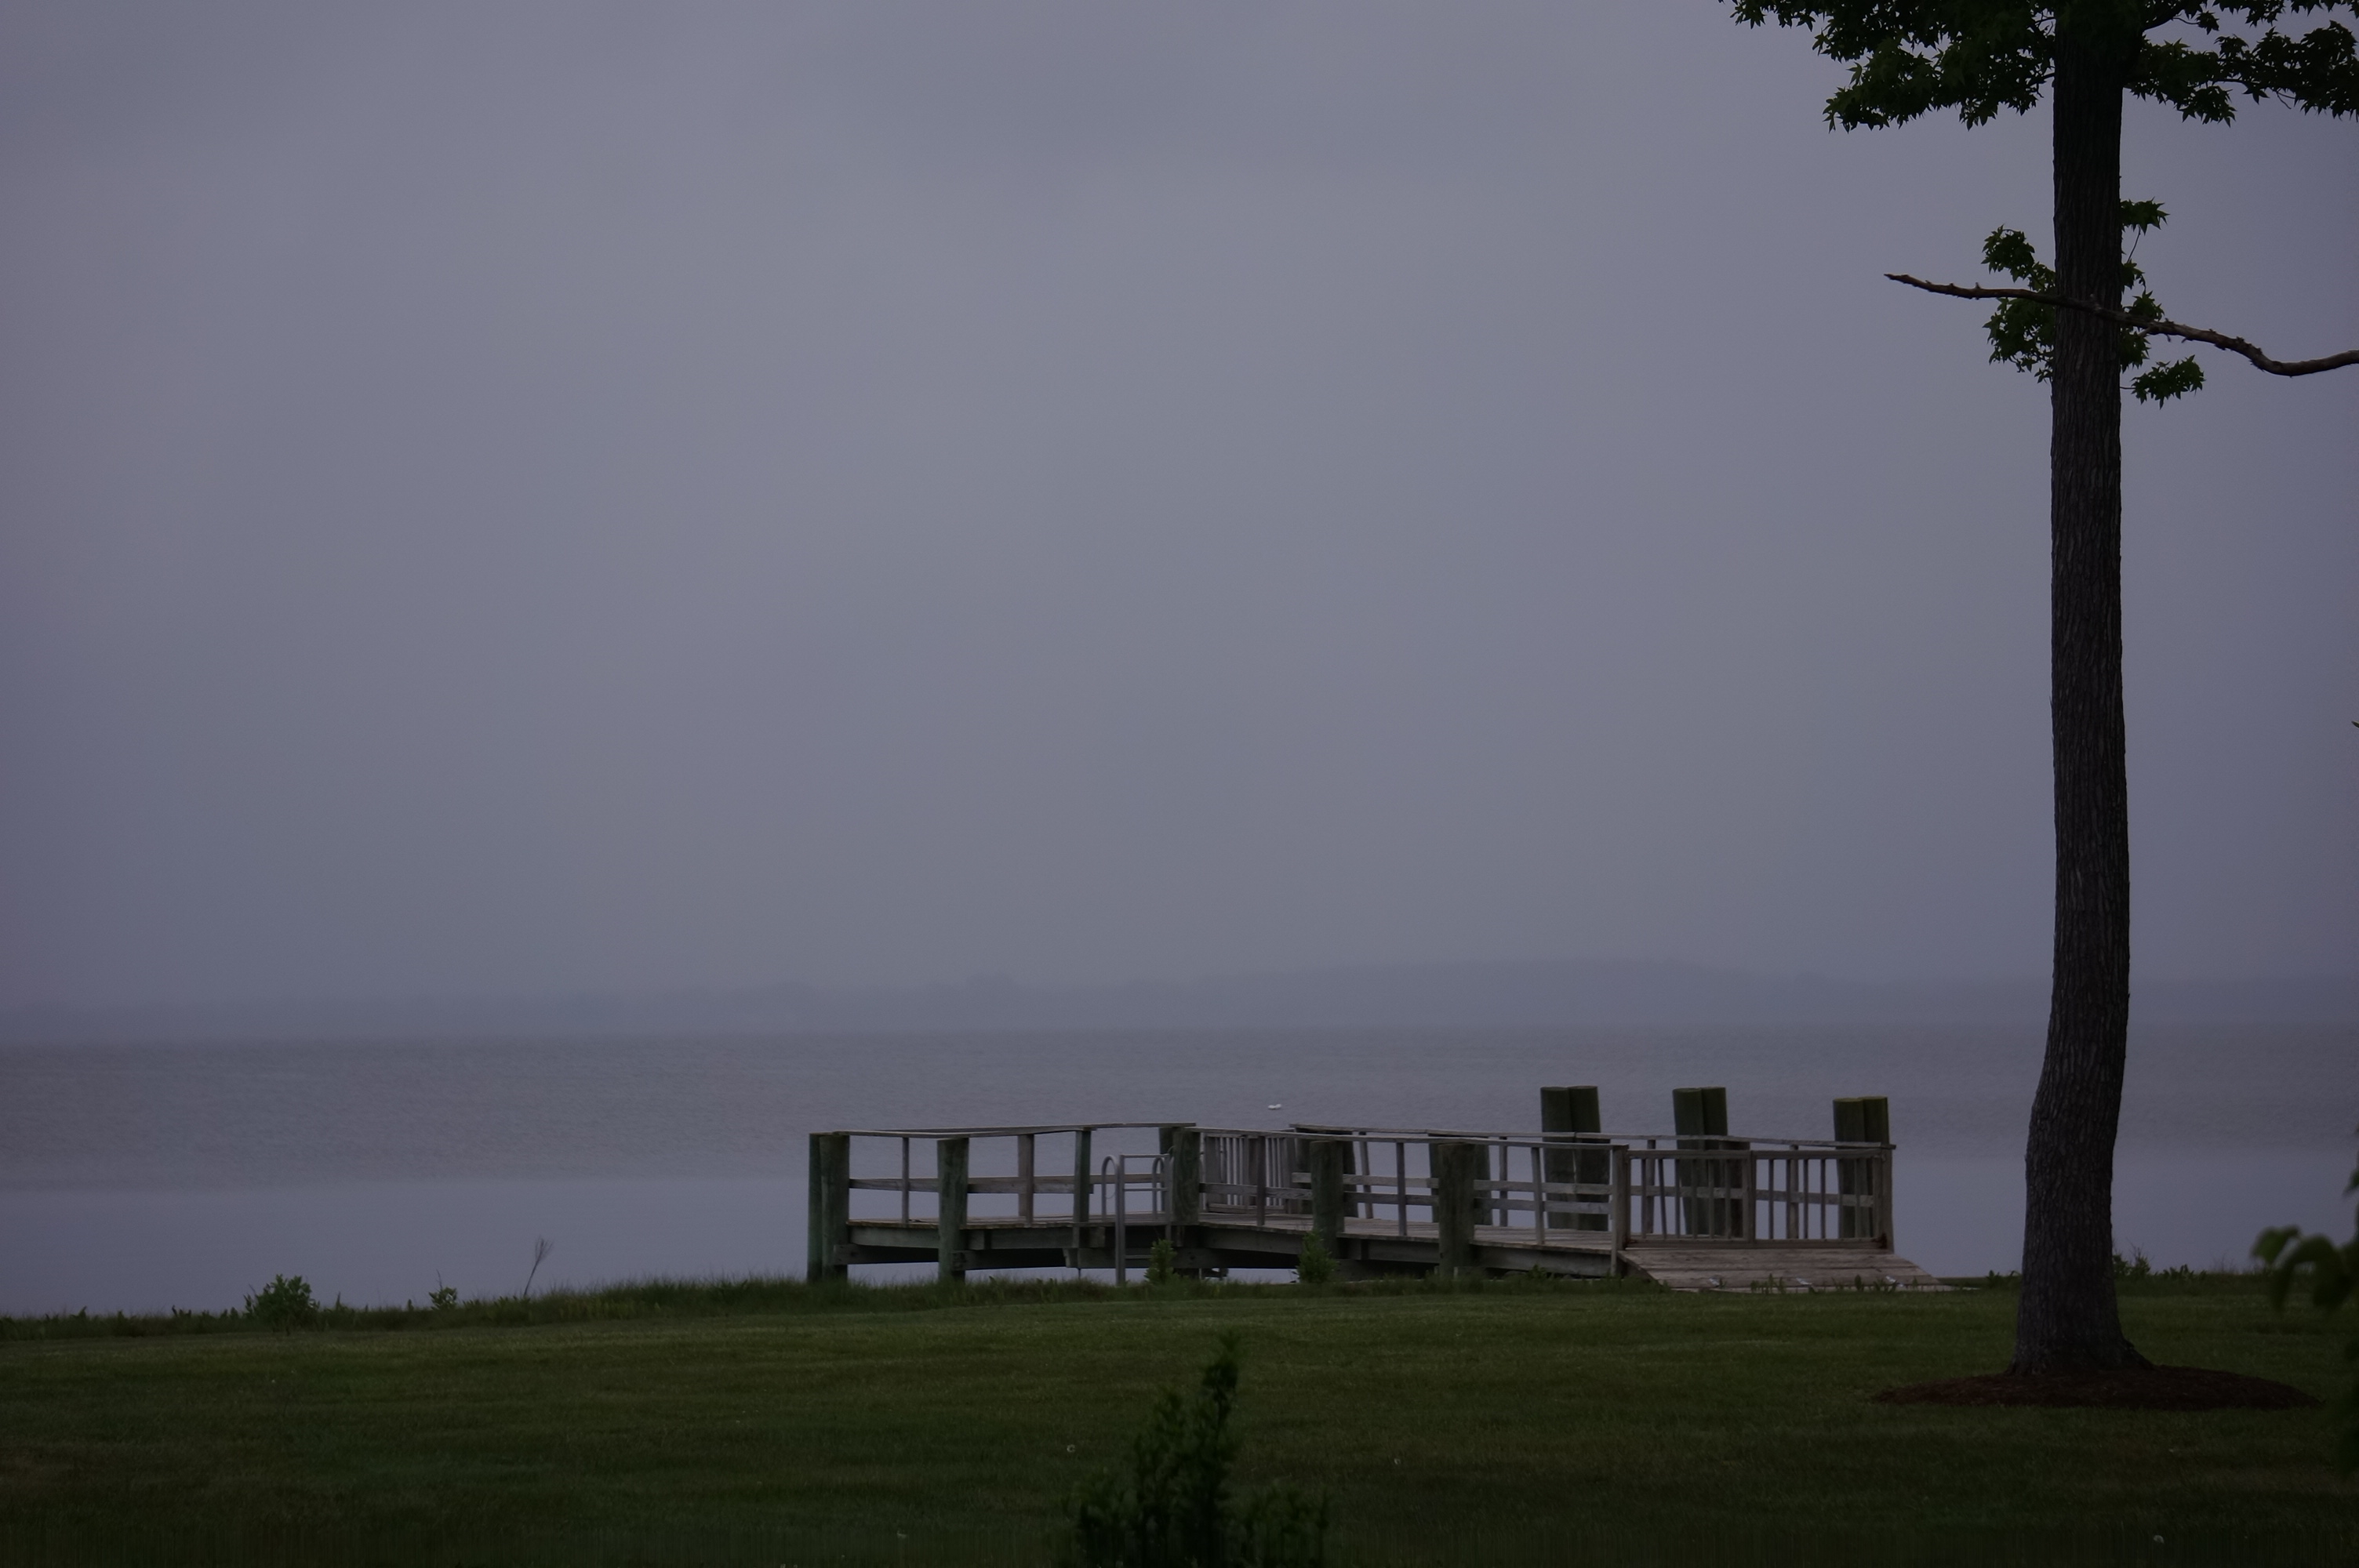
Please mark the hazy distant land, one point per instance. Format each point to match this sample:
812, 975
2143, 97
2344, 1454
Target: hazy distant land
1537, 995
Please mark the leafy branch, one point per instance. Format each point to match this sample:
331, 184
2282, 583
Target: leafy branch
2023, 329
1984, 57
2160, 327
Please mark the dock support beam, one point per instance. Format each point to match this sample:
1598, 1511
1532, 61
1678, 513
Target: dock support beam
1455, 1203
949, 1214
829, 1210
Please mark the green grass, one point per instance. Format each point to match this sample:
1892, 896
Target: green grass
764, 1422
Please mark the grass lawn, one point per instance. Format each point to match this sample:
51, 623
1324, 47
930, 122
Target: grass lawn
1507, 1423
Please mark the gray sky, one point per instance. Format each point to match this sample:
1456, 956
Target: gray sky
518, 497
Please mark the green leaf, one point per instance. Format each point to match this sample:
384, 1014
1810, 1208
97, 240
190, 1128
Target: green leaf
2165, 382
2009, 250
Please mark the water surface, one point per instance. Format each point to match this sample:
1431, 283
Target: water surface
140, 1177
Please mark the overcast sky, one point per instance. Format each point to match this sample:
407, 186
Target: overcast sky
517, 497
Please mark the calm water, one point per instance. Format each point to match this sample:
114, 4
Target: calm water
138, 1177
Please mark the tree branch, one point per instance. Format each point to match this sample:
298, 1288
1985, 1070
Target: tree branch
2157, 326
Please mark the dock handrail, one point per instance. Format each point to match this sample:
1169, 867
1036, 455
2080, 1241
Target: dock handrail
1115, 1171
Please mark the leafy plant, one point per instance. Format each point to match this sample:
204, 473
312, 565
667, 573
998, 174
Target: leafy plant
2289, 1259
1162, 1263
286, 1304
1314, 1266
1173, 1509
443, 1298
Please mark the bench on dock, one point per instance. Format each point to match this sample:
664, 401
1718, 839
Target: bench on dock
1694, 1209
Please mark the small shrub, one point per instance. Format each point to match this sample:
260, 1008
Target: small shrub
286, 1304
443, 1298
1162, 1263
2332, 1273
1173, 1509
1314, 1266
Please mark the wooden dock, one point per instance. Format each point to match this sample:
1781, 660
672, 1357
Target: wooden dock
1693, 1209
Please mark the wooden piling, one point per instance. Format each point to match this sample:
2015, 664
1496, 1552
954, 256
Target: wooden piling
1024, 1176
1183, 1173
1700, 1116
829, 1206
815, 1257
1699, 1113
950, 1213
1331, 1161
1081, 1191
1573, 1108
1456, 1203
1865, 1120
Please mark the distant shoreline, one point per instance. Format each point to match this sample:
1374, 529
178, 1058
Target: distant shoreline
1512, 996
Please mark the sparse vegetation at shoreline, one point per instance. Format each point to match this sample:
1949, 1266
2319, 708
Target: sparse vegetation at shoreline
760, 1295
755, 1296
762, 1421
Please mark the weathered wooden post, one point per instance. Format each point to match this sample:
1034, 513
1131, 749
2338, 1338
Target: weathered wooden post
1617, 1215
950, 1209
1700, 1119
1867, 1120
1023, 1178
1330, 1161
1848, 1124
1573, 1109
828, 1206
1081, 1191
1183, 1174
1456, 1203
1699, 1113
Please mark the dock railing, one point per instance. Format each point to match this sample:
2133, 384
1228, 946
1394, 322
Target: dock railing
916, 1189
1588, 1192
1638, 1188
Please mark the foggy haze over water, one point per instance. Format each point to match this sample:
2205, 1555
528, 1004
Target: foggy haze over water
537, 499
725, 506
153, 1175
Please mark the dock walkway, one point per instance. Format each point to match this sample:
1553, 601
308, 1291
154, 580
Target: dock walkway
1693, 1210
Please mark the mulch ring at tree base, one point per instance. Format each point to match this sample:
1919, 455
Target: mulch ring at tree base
2123, 1389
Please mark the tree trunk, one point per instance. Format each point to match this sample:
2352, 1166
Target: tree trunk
2069, 1318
